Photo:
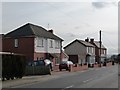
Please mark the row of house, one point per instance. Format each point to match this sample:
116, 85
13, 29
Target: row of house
88, 51
37, 43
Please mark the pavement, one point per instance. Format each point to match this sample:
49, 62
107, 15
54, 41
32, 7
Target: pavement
32, 79
104, 77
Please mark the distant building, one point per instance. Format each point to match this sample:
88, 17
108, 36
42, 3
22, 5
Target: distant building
65, 57
81, 52
97, 51
35, 42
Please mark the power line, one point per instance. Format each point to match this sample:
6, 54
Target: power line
110, 43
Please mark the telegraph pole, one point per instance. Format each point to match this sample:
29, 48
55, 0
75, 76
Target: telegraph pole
100, 49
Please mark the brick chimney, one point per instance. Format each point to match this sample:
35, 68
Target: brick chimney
50, 31
87, 40
92, 40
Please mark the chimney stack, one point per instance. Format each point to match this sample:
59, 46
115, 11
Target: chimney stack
92, 40
87, 40
50, 31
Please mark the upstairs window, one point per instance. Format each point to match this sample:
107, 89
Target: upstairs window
57, 44
16, 43
40, 42
87, 49
51, 43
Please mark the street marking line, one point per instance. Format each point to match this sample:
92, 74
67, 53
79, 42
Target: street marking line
87, 80
67, 87
83, 71
70, 86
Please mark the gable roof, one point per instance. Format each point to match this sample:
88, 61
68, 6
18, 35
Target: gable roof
97, 44
86, 44
32, 30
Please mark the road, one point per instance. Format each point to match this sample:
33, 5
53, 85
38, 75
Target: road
104, 77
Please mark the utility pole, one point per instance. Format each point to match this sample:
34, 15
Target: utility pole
100, 49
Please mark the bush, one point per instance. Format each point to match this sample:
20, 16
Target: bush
13, 66
37, 70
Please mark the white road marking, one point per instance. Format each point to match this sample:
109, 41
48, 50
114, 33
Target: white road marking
87, 80
70, 86
83, 71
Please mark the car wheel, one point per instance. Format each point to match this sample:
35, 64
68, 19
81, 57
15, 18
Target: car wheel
60, 69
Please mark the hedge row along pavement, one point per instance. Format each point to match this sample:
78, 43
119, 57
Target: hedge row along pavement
13, 66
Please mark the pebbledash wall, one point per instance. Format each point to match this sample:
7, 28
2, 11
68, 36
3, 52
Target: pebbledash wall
41, 50
46, 45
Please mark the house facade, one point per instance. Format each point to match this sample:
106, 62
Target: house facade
65, 57
81, 52
103, 53
35, 42
1, 40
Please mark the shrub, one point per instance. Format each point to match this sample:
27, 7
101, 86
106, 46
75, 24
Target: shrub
13, 66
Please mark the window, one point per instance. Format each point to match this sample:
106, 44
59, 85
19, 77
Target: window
88, 49
16, 42
57, 44
40, 42
51, 44
104, 51
57, 60
92, 50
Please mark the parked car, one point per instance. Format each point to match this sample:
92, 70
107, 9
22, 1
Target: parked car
65, 65
49, 63
39, 67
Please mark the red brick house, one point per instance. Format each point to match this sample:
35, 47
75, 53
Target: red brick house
1, 39
97, 50
35, 42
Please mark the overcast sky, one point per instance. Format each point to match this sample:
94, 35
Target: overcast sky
69, 20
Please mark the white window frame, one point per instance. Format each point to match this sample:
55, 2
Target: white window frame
40, 42
51, 43
57, 44
15, 43
92, 49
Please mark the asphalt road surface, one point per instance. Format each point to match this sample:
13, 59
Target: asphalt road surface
104, 77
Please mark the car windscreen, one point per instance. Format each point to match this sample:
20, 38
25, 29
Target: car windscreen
40, 63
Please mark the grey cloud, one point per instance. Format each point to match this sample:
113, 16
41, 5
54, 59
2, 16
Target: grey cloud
99, 4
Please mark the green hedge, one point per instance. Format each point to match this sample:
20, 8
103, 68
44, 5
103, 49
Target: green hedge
13, 66
37, 70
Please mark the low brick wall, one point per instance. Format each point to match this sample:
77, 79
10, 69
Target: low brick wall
56, 68
109, 64
78, 68
96, 66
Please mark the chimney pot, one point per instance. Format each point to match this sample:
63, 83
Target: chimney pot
50, 31
92, 40
87, 40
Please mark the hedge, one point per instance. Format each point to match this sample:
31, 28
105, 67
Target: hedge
37, 70
13, 66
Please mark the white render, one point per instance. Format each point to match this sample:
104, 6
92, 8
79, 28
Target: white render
46, 48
